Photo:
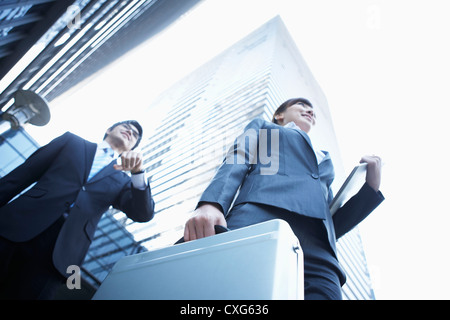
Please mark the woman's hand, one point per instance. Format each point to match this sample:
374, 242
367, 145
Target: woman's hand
373, 175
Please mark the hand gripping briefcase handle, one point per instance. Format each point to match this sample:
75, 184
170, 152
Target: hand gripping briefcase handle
217, 228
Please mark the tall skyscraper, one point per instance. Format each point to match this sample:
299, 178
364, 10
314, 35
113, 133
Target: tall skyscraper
208, 109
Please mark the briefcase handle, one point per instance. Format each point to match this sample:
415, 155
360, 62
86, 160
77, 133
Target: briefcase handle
217, 228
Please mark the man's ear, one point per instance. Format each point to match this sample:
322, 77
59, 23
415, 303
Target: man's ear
108, 131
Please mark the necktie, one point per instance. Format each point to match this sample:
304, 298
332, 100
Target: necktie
102, 159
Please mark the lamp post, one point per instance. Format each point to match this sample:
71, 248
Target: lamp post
28, 107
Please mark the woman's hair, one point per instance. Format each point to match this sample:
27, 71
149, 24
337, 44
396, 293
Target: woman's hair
132, 122
287, 104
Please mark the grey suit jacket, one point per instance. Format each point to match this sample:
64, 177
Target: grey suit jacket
277, 166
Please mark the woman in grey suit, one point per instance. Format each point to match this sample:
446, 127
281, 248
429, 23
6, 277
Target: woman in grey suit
298, 191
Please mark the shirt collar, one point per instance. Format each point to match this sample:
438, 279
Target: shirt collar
292, 125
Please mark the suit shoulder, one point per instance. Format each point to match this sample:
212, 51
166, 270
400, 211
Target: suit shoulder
71, 136
67, 138
62, 138
67, 135
259, 123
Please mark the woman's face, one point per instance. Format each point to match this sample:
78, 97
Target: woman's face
301, 114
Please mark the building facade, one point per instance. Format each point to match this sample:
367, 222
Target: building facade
205, 111
15, 147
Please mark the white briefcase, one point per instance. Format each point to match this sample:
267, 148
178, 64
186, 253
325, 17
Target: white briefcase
260, 262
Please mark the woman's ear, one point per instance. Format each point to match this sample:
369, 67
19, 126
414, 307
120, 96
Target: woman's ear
279, 117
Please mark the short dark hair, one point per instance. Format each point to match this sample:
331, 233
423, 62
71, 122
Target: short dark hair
289, 103
132, 122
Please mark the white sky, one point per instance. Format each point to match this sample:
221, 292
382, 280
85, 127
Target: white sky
384, 68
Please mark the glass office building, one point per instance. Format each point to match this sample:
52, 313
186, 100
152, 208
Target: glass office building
111, 242
207, 109
15, 147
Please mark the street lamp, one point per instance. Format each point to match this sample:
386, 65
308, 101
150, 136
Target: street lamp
28, 107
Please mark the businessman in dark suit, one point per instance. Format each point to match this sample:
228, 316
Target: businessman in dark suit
51, 225
293, 184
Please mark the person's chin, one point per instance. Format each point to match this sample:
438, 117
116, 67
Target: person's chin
305, 126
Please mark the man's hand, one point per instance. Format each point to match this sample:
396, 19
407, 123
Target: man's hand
373, 175
130, 161
202, 223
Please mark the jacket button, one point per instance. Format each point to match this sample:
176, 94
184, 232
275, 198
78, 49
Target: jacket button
315, 176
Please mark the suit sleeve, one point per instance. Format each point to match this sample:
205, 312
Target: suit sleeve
137, 204
31, 170
356, 209
232, 172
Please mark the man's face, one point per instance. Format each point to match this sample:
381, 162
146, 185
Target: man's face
301, 114
124, 135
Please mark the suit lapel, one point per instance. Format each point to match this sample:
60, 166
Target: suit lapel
308, 140
326, 169
327, 156
89, 155
306, 137
303, 134
106, 171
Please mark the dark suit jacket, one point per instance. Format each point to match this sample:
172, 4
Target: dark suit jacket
61, 169
298, 184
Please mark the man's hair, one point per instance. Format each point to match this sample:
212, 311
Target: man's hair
289, 103
132, 122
